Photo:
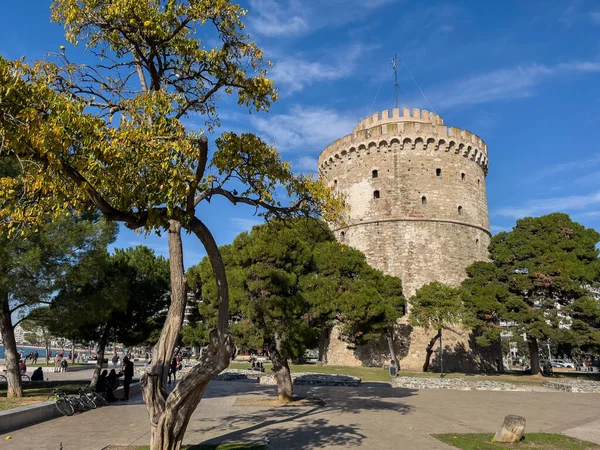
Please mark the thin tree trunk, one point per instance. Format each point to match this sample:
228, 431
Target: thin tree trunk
390, 340
72, 351
534, 354
170, 415
47, 343
100, 354
283, 376
13, 375
430, 350
322, 344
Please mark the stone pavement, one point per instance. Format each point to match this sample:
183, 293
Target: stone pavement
370, 416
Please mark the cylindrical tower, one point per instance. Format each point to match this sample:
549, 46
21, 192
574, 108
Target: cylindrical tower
416, 195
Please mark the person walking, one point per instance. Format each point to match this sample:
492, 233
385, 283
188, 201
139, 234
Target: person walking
128, 372
35, 357
172, 369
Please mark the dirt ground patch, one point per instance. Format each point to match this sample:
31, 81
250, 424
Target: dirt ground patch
268, 401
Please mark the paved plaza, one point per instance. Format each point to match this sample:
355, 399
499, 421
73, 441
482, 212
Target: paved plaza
373, 415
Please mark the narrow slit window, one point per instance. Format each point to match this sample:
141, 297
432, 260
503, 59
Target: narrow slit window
374, 174
438, 172
460, 210
375, 194
478, 181
462, 176
335, 182
423, 200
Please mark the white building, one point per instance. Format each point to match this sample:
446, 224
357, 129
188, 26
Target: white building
19, 335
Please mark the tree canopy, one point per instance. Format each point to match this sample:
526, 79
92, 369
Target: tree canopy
289, 283
79, 128
543, 279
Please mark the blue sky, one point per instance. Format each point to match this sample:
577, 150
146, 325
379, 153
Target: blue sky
523, 75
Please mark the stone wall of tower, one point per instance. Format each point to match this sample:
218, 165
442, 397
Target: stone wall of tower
416, 195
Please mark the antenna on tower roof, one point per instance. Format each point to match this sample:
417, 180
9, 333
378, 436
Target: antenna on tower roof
395, 67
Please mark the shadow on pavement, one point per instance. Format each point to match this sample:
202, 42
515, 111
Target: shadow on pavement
297, 427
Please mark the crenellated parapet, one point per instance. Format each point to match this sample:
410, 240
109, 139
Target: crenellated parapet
406, 130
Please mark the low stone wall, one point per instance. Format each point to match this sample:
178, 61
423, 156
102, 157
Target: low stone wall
315, 379
581, 386
238, 374
458, 384
25, 416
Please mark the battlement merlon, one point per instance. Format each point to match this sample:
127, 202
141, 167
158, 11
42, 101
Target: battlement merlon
418, 123
399, 115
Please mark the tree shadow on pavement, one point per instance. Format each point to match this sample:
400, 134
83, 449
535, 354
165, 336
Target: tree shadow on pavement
309, 428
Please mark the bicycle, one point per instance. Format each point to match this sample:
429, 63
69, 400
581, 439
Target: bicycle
24, 377
94, 397
63, 403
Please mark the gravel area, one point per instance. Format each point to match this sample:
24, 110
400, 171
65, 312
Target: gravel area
315, 379
582, 386
462, 384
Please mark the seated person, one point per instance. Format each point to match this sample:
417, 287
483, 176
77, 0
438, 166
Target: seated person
37, 375
102, 383
22, 367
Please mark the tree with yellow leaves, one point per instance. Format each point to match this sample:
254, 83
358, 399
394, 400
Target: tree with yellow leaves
110, 135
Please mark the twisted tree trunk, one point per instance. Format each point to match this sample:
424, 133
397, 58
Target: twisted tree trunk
170, 415
100, 356
13, 375
430, 350
283, 376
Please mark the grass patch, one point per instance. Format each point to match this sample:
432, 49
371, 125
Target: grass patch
37, 392
533, 441
378, 374
365, 373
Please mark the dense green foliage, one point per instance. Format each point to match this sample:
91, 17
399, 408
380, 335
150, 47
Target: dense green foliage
296, 281
126, 294
543, 278
436, 305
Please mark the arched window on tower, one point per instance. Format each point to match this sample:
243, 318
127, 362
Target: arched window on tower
462, 176
423, 200
342, 235
335, 182
438, 172
374, 174
460, 210
375, 194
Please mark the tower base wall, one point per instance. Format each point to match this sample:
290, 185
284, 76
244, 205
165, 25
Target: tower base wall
461, 354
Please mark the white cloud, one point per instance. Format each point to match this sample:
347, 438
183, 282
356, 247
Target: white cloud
569, 165
497, 229
306, 164
589, 214
293, 74
242, 224
308, 129
548, 205
592, 178
275, 18
505, 84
